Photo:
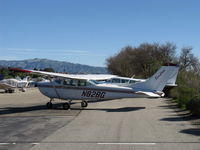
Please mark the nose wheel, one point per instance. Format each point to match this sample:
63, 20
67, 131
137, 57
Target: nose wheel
49, 105
84, 104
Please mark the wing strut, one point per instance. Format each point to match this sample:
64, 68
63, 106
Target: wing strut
54, 88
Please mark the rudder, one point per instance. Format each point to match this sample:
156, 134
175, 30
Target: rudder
158, 81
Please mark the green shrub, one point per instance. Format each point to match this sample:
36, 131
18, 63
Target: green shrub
174, 93
194, 105
183, 95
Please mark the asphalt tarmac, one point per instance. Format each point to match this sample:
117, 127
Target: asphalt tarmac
130, 124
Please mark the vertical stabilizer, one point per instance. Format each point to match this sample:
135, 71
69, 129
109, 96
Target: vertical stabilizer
158, 81
172, 81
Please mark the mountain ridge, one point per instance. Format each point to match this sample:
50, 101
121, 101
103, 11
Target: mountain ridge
58, 66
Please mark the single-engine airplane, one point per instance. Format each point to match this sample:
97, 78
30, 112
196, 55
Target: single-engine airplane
70, 88
9, 85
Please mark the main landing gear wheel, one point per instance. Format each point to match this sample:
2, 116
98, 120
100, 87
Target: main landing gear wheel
49, 105
9, 91
84, 104
66, 106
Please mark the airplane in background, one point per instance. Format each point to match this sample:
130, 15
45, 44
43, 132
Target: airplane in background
9, 85
71, 88
123, 81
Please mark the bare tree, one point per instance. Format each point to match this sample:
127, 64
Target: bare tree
188, 61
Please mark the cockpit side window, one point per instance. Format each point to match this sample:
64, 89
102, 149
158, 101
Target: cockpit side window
114, 80
67, 82
81, 83
124, 81
74, 82
59, 81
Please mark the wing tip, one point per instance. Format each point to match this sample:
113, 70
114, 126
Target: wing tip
20, 70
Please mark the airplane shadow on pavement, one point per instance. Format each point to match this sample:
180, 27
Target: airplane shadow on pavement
57, 107
16, 109
122, 109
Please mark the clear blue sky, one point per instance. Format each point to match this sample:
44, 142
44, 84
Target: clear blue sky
89, 31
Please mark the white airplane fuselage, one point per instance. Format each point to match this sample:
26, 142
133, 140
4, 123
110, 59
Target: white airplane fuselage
92, 92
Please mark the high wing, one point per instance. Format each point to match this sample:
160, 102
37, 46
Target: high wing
70, 76
97, 77
51, 74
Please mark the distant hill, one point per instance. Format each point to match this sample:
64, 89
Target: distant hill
58, 66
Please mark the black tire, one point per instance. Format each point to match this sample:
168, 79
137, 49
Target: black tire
49, 105
66, 106
84, 104
10, 91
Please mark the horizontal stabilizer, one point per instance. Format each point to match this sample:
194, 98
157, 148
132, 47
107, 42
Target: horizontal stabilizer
150, 94
158, 81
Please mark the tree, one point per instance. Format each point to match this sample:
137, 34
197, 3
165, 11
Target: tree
187, 60
141, 61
